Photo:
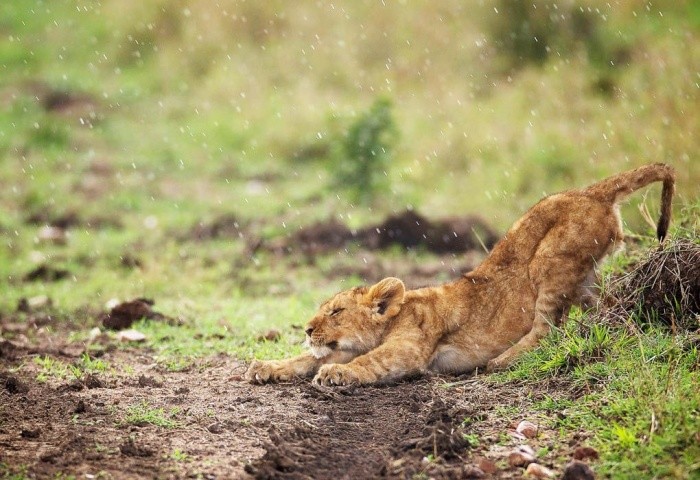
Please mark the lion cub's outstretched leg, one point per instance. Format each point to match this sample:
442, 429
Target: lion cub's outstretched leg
305, 365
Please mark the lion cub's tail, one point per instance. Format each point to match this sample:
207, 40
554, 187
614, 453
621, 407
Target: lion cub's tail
617, 187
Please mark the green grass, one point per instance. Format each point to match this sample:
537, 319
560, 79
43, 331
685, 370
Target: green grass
52, 368
641, 403
13, 472
142, 414
179, 456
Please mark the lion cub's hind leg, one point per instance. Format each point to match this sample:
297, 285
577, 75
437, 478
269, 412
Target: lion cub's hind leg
587, 295
550, 307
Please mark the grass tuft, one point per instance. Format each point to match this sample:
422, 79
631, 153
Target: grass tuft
143, 414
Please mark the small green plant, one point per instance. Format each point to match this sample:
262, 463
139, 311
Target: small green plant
472, 439
142, 414
366, 152
179, 456
14, 472
624, 436
92, 365
53, 368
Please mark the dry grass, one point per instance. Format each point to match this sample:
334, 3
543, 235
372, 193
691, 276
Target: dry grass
662, 288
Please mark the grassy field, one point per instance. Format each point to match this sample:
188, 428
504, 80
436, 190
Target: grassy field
133, 125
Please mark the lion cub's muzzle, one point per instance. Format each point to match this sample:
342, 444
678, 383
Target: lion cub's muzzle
318, 345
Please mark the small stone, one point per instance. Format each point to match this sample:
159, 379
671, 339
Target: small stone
527, 449
537, 470
518, 458
33, 303
36, 256
131, 336
94, 333
111, 303
578, 471
585, 453
528, 429
487, 465
215, 428
271, 335
51, 234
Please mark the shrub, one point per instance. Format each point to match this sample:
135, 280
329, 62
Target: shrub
366, 151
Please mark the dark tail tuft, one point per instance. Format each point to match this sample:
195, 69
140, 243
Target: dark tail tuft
665, 217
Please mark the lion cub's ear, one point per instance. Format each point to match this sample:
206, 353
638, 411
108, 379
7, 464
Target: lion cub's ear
386, 296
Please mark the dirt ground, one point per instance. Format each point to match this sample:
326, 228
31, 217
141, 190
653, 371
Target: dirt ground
438, 427
210, 424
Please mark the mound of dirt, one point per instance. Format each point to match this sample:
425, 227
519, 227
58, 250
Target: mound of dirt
46, 273
412, 230
71, 219
224, 226
126, 313
664, 288
69, 103
409, 230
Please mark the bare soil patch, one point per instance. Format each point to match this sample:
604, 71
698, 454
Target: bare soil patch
224, 428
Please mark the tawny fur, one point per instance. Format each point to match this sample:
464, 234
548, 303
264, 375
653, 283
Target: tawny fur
543, 266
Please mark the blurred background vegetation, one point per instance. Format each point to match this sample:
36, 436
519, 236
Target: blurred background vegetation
146, 117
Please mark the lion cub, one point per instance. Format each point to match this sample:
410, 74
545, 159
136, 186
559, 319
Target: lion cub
543, 266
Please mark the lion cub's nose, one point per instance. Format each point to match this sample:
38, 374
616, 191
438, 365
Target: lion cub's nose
309, 331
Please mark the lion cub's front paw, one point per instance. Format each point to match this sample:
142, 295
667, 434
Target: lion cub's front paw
338, 374
267, 371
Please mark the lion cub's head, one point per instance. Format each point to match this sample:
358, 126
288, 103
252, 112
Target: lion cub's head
354, 320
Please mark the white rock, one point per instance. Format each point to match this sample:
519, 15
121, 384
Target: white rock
528, 429
94, 333
51, 234
131, 336
526, 449
111, 303
36, 256
40, 301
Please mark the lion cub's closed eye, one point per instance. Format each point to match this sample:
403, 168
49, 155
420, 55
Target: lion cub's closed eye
543, 266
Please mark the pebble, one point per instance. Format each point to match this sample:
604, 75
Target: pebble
215, 428
34, 303
522, 456
94, 333
488, 466
131, 336
52, 234
537, 470
526, 428
583, 453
